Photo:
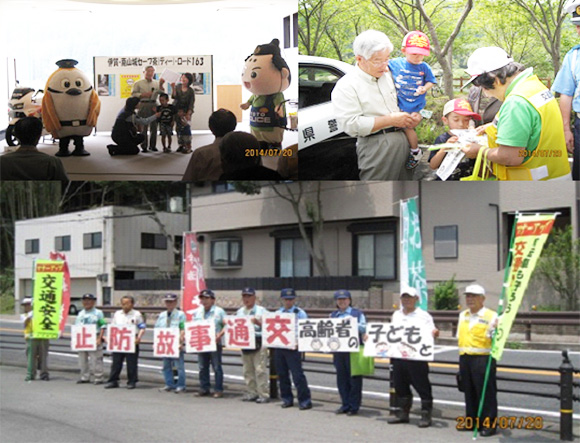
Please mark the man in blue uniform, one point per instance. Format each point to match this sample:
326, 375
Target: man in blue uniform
349, 386
567, 83
289, 360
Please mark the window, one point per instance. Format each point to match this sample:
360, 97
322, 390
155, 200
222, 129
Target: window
31, 246
226, 253
62, 243
445, 239
221, 187
292, 258
287, 32
375, 255
92, 240
374, 250
177, 246
295, 33
315, 84
153, 241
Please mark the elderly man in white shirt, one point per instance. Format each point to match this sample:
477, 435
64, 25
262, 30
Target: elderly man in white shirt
365, 103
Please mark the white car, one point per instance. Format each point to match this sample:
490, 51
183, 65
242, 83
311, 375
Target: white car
325, 151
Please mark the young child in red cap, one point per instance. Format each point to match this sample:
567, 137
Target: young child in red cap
456, 115
413, 78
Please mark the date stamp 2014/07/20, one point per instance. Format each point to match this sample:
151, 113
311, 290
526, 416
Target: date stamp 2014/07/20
502, 422
268, 152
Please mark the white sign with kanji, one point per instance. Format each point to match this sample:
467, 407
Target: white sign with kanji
166, 342
240, 332
83, 337
406, 341
121, 338
328, 335
200, 336
279, 330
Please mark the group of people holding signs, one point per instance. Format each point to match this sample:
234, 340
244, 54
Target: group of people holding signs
408, 340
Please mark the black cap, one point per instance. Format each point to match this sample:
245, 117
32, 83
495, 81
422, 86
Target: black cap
66, 63
88, 297
248, 291
288, 294
170, 297
207, 293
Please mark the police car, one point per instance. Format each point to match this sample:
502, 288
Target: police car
325, 151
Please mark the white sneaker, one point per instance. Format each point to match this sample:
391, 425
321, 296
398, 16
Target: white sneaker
413, 159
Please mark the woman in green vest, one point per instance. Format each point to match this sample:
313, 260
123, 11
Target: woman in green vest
526, 139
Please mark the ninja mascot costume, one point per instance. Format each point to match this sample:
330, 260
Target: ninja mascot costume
70, 107
266, 74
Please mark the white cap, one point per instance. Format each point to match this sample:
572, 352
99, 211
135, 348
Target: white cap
26, 301
474, 289
571, 6
485, 60
409, 291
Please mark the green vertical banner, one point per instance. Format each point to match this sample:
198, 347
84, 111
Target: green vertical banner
47, 298
412, 265
531, 232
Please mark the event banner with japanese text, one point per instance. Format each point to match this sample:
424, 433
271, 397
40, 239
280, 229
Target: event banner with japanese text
48, 281
531, 233
192, 278
240, 332
412, 264
279, 330
408, 341
83, 338
166, 342
121, 338
328, 335
65, 304
200, 336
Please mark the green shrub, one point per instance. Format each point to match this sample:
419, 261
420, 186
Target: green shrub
446, 295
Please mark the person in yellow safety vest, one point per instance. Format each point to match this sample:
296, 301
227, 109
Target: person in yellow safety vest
474, 330
526, 140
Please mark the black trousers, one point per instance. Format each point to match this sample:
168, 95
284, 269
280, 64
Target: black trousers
407, 373
127, 144
349, 387
289, 361
78, 141
117, 366
472, 370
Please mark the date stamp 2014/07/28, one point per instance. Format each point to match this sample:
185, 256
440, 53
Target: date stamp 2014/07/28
269, 152
544, 153
502, 422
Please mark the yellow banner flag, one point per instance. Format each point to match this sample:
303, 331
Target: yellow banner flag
47, 298
531, 233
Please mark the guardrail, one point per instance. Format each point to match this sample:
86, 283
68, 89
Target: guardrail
527, 319
383, 371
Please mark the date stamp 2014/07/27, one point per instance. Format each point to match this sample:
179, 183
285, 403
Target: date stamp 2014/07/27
544, 153
502, 422
268, 152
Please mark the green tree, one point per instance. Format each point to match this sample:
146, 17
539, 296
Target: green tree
546, 17
446, 295
559, 264
432, 17
308, 213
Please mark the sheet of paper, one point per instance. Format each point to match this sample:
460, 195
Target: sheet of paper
170, 76
449, 163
